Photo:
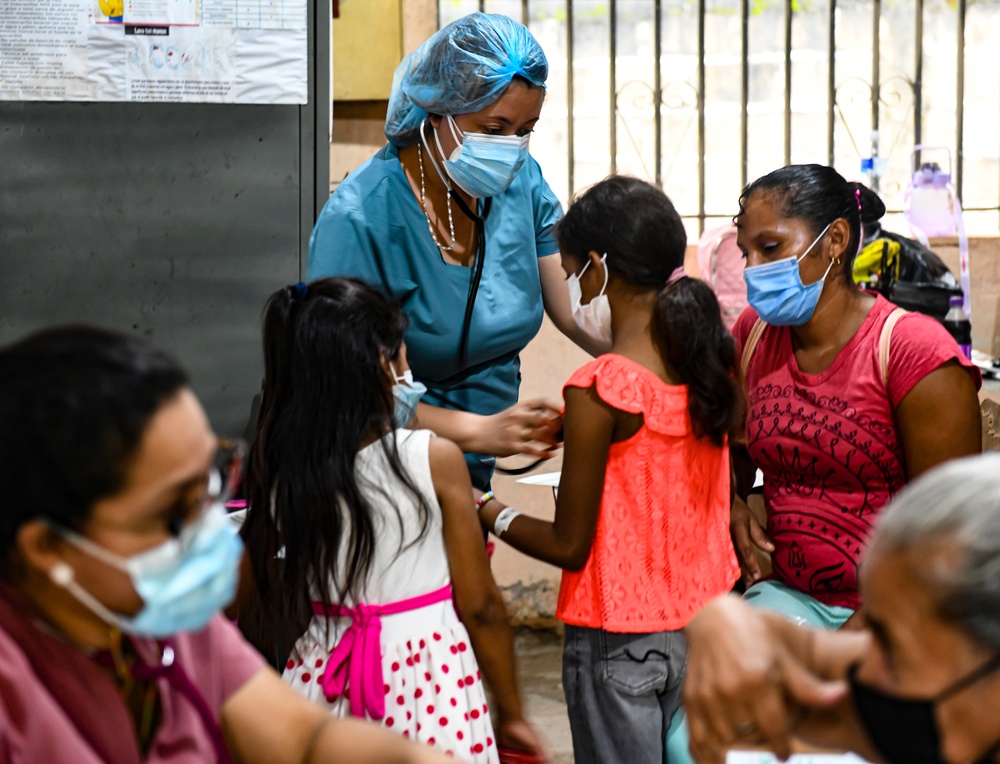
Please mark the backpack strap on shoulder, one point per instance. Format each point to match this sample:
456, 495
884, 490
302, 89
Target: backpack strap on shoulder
751, 345
884, 341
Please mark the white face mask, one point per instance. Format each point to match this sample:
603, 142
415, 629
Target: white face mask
594, 317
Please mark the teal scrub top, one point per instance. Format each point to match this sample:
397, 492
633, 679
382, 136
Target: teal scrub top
373, 228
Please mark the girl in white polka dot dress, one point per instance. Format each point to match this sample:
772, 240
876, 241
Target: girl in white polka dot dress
405, 602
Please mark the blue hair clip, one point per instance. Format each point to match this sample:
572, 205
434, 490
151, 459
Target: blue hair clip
300, 292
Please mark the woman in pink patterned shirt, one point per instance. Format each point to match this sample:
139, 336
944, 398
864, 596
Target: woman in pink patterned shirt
836, 430
835, 437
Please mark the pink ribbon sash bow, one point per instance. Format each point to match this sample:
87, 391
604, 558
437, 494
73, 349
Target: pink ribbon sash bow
355, 664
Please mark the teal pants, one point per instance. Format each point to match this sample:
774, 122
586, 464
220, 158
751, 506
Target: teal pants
766, 595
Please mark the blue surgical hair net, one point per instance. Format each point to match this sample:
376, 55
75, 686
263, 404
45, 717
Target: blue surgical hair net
462, 68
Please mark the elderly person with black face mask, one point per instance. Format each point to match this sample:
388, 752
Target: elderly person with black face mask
920, 682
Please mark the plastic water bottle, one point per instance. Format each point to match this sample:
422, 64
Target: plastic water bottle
958, 325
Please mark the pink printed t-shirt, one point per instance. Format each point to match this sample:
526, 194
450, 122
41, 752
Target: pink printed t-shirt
662, 547
34, 727
828, 444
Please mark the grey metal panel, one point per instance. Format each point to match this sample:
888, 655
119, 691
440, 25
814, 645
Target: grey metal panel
171, 221
314, 136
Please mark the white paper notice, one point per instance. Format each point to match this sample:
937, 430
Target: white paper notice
763, 757
171, 12
207, 51
43, 50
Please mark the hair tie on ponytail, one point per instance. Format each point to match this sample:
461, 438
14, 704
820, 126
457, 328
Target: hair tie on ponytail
299, 291
677, 275
857, 197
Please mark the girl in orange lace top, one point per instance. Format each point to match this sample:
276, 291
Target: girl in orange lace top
642, 517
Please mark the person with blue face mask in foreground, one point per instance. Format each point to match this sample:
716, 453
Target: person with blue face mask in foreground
363, 539
918, 684
454, 219
848, 398
117, 558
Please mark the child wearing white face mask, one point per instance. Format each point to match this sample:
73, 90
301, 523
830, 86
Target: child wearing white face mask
642, 517
594, 317
383, 592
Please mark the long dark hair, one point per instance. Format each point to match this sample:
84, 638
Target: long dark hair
325, 393
74, 405
639, 229
818, 195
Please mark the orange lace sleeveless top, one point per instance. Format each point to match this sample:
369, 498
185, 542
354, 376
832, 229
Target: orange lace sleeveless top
662, 548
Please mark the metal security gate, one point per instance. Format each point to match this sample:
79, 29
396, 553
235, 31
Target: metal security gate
701, 96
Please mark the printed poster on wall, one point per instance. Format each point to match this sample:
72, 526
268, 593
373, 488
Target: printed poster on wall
198, 51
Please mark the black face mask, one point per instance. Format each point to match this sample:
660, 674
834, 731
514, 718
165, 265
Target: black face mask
904, 730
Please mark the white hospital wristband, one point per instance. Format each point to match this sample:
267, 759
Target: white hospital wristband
503, 521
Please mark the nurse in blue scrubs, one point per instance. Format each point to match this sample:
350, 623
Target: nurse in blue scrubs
454, 219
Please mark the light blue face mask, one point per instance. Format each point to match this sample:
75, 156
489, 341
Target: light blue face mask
775, 290
407, 395
483, 165
183, 582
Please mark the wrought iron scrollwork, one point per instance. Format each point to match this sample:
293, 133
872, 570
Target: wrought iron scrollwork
636, 100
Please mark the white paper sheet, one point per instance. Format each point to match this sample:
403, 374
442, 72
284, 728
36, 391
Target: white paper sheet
764, 757
195, 51
551, 479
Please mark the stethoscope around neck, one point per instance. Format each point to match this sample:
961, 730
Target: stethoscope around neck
479, 222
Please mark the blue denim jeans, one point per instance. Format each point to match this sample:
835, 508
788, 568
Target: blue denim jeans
621, 691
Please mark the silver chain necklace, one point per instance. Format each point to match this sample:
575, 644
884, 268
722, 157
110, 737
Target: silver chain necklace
423, 203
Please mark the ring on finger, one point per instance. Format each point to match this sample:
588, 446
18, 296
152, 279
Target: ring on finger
746, 728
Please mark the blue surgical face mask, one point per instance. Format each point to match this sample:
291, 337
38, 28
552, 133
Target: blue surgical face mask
183, 582
483, 165
407, 393
775, 290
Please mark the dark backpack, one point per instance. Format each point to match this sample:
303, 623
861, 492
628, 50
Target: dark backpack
905, 272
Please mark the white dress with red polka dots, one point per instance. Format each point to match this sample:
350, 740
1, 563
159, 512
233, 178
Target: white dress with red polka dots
432, 685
